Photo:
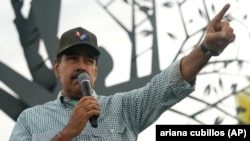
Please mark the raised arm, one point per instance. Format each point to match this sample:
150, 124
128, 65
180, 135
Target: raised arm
218, 36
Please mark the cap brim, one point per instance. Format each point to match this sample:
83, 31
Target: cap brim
95, 50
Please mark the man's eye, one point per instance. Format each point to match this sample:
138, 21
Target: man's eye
89, 61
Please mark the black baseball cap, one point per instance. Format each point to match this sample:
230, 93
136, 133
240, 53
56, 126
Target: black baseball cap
77, 36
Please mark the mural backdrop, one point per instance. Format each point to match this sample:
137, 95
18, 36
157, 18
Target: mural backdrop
137, 39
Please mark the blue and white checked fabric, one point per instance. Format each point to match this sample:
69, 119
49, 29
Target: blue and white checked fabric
123, 115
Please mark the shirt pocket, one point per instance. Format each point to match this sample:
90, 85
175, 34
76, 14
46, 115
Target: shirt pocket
110, 133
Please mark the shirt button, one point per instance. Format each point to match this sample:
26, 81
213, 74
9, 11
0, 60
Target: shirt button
112, 130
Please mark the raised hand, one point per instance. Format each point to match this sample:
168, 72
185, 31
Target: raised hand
219, 33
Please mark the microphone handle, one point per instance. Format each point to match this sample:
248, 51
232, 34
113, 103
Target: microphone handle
93, 120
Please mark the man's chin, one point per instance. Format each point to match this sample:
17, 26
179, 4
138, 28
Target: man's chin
77, 96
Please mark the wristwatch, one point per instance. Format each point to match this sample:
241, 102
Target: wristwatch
209, 52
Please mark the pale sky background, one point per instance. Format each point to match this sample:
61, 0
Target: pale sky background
90, 15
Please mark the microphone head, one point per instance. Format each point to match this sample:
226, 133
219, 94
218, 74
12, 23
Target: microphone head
83, 76
83, 80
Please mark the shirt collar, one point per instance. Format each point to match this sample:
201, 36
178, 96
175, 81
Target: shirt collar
66, 101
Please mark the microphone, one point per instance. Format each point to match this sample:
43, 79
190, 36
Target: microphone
83, 80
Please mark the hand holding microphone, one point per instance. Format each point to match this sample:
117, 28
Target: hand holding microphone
83, 80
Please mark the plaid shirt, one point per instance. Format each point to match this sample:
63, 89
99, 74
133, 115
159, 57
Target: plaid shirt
123, 115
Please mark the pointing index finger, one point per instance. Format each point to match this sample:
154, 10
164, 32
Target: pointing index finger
221, 14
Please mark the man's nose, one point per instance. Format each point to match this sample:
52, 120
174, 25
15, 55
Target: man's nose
81, 65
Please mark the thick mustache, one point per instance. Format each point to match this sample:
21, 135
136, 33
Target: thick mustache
75, 75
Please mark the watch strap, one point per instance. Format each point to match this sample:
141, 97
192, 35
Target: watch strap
209, 52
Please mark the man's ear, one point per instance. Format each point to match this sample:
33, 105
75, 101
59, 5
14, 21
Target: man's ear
96, 71
56, 68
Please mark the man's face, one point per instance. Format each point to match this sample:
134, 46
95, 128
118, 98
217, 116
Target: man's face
74, 61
